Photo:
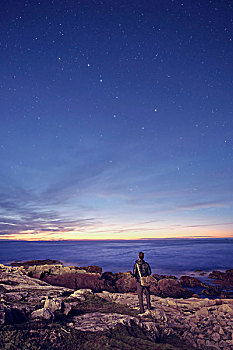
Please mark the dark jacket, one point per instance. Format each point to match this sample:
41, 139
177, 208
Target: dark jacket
144, 268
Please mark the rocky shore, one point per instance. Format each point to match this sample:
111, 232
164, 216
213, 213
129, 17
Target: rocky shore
45, 305
54, 273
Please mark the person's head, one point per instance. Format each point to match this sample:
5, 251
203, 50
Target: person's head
141, 255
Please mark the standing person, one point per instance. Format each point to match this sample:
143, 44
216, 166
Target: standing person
145, 270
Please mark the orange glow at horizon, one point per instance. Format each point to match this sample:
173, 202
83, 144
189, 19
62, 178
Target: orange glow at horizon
121, 234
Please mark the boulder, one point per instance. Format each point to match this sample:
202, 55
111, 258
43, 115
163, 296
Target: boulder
53, 304
80, 294
154, 290
161, 277
219, 275
45, 314
224, 279
39, 271
202, 312
191, 282
92, 269
196, 296
226, 294
66, 308
125, 282
226, 308
172, 288
76, 280
211, 291
109, 281
119, 282
69, 276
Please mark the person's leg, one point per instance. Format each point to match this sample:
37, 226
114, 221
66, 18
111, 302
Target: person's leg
140, 297
147, 291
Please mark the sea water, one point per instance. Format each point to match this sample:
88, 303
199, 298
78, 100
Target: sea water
165, 256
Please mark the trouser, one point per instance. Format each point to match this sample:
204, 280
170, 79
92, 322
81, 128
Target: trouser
140, 296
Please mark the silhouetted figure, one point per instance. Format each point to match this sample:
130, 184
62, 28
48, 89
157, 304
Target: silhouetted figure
145, 270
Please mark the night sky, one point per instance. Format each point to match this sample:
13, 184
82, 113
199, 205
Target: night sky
116, 119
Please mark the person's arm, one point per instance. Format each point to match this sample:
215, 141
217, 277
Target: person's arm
149, 270
135, 271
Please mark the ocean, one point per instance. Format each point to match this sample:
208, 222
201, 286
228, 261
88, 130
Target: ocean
166, 256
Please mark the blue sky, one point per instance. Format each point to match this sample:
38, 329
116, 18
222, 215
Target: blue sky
116, 119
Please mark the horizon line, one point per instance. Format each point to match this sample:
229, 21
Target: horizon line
114, 239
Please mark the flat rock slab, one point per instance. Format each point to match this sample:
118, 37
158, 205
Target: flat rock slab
97, 321
14, 279
100, 322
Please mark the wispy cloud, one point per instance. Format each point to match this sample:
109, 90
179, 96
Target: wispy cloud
22, 212
208, 204
91, 199
213, 224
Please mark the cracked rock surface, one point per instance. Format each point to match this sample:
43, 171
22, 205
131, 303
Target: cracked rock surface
202, 323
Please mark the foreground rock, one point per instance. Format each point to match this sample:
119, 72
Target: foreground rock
29, 302
21, 295
203, 323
